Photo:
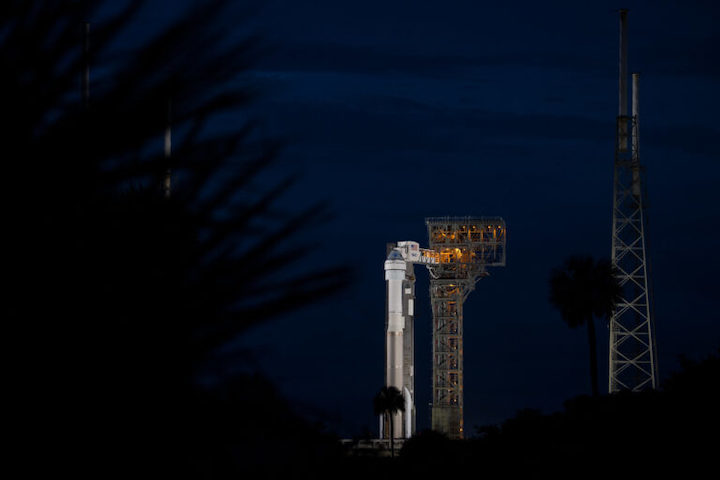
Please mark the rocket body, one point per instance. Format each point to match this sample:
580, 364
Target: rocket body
395, 268
400, 326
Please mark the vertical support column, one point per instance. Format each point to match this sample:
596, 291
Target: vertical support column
635, 135
447, 297
622, 137
408, 390
622, 70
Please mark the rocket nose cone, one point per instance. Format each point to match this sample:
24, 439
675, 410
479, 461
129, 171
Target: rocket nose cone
395, 255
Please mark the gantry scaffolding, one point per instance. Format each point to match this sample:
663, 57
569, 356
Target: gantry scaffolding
466, 246
633, 361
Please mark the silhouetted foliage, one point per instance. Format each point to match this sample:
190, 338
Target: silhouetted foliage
582, 288
699, 377
427, 448
246, 427
626, 433
643, 433
120, 296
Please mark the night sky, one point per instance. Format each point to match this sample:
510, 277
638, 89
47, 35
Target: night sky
394, 111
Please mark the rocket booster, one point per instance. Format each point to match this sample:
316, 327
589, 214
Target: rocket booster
400, 342
395, 267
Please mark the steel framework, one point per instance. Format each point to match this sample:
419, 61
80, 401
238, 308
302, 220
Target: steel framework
466, 246
633, 360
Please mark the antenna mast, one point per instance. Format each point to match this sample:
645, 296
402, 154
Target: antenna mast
633, 360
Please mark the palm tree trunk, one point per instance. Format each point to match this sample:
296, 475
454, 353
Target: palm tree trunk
593, 355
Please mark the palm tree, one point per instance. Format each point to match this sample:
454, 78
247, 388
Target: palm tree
388, 402
156, 288
581, 289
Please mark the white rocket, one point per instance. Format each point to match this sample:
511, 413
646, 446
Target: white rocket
395, 269
400, 347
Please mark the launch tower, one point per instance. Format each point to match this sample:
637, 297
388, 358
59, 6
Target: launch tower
466, 246
633, 360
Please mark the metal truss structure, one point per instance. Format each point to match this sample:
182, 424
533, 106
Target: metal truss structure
465, 247
633, 360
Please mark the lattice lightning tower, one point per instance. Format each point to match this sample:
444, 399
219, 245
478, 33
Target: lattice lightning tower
633, 360
466, 246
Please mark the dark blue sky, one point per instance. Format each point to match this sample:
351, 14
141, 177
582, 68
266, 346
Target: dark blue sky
399, 110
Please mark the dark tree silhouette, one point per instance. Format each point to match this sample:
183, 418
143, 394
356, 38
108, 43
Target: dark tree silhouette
121, 297
387, 402
700, 378
428, 449
580, 289
671, 424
